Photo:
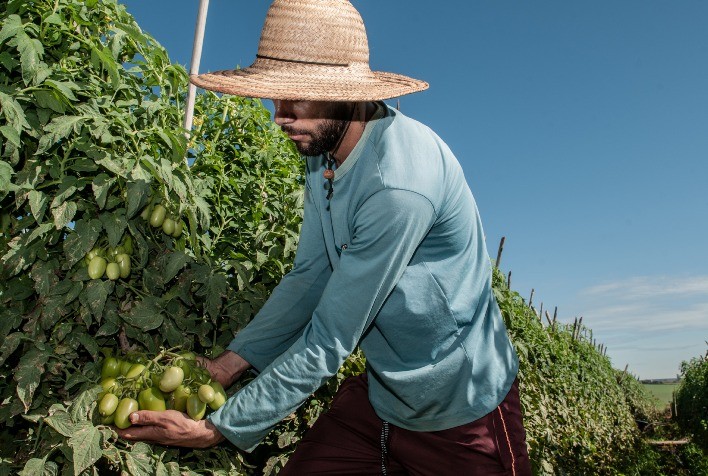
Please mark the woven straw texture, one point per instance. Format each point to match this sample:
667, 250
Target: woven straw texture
314, 50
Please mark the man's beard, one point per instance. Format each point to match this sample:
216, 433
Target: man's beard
328, 135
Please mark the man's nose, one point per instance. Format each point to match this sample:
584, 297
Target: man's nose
283, 112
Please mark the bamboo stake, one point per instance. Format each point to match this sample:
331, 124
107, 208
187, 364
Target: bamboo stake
194, 66
548, 318
531, 297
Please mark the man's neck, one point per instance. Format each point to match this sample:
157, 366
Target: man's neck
363, 112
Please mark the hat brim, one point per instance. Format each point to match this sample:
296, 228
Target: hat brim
309, 83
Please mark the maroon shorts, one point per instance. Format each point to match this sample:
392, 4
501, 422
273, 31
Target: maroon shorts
351, 439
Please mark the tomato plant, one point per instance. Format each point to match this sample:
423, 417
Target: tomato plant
92, 159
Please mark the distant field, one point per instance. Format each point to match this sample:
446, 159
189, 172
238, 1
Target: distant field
662, 391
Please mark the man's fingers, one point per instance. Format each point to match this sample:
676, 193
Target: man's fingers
152, 418
144, 417
135, 433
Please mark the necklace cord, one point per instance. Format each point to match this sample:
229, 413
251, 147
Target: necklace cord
329, 173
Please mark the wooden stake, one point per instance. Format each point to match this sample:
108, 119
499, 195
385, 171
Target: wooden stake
508, 280
548, 318
499, 253
531, 297
575, 329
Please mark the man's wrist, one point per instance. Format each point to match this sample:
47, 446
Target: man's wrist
229, 366
214, 436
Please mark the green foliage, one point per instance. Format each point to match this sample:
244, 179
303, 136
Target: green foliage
692, 400
90, 113
578, 417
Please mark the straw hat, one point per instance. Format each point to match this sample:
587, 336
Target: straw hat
312, 50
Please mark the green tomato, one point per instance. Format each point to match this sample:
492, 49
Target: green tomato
125, 366
157, 216
110, 368
206, 393
171, 379
94, 252
219, 396
178, 229
186, 365
178, 399
108, 404
118, 250
122, 414
135, 371
196, 409
112, 271
168, 226
123, 261
108, 420
152, 399
108, 385
96, 267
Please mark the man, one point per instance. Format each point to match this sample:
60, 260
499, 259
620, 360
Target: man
391, 258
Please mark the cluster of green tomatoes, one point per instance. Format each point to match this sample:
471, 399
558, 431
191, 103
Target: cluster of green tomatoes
174, 381
113, 263
158, 217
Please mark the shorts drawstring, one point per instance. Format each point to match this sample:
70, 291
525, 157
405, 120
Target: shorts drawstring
384, 448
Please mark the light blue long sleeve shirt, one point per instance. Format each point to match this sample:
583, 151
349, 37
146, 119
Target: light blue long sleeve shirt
396, 263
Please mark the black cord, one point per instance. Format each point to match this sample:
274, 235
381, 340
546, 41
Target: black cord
330, 179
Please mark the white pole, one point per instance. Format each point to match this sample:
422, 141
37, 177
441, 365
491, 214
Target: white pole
196, 58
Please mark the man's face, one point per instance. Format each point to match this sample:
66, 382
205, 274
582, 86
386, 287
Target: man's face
315, 127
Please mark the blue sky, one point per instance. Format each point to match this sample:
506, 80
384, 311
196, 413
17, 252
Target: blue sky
582, 128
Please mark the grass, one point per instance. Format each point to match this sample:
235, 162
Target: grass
662, 391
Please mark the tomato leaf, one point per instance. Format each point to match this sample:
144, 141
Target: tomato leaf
114, 223
61, 422
9, 345
28, 374
138, 196
64, 214
58, 129
175, 261
38, 204
140, 460
82, 407
95, 295
145, 315
86, 445
101, 186
36, 466
81, 240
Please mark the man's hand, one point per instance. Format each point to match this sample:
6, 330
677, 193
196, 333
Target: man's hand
170, 428
226, 368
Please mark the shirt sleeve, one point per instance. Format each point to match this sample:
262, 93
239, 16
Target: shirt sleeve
289, 308
387, 229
